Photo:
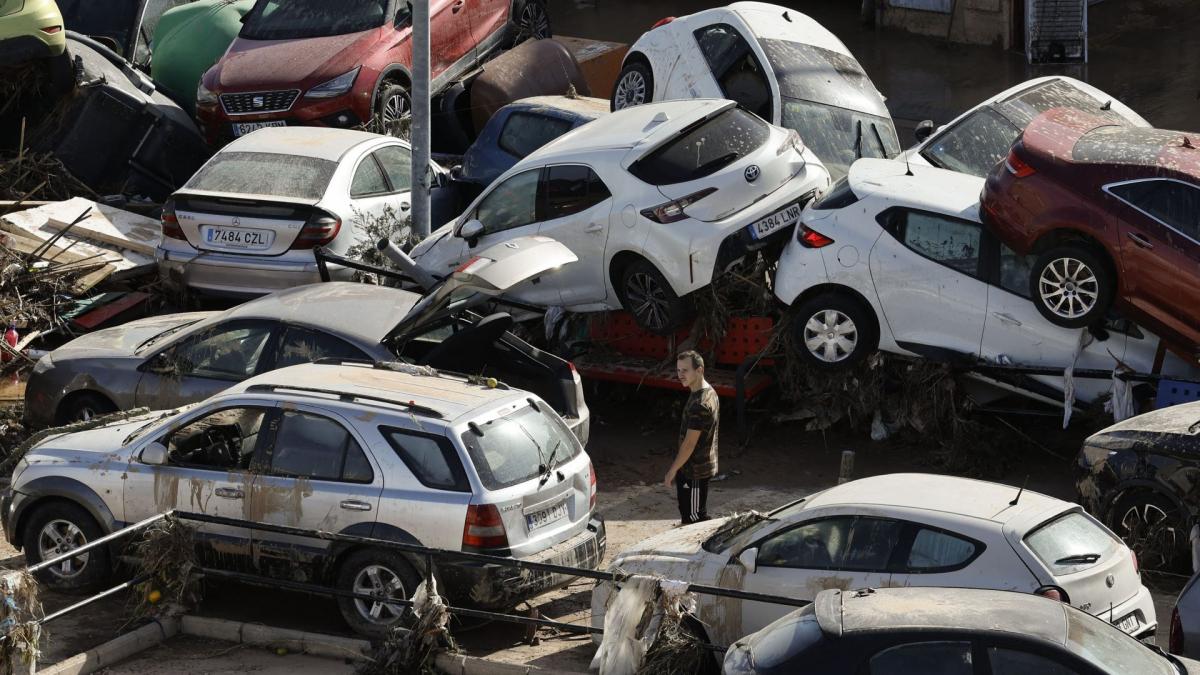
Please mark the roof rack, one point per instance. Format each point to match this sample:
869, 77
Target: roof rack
347, 396
413, 369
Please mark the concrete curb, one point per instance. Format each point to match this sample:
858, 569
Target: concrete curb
116, 650
316, 644
457, 664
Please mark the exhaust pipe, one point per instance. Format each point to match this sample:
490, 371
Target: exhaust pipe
406, 264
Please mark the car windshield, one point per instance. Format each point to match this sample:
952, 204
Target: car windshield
112, 20
1070, 543
740, 530
839, 136
519, 446
1024, 106
151, 420
810, 73
296, 19
154, 339
703, 148
264, 173
1111, 650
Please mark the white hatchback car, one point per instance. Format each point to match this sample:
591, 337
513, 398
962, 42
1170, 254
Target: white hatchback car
655, 201
772, 60
247, 222
897, 530
894, 257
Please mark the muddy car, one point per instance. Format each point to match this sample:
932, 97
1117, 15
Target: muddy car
387, 450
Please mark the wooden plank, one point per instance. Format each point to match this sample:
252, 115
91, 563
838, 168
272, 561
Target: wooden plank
94, 317
33, 223
106, 225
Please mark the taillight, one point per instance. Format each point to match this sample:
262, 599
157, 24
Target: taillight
320, 229
793, 141
1135, 562
662, 22
1175, 642
1053, 593
51, 30
170, 223
673, 210
591, 487
1017, 166
810, 238
483, 528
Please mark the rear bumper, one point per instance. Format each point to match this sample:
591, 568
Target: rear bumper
740, 243
236, 275
493, 586
1140, 605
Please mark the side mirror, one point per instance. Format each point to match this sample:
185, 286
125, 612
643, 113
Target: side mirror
749, 559
161, 364
155, 454
472, 230
924, 130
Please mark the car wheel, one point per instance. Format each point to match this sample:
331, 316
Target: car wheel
382, 574
532, 21
831, 331
84, 407
645, 293
60, 527
393, 111
1071, 286
635, 86
1154, 529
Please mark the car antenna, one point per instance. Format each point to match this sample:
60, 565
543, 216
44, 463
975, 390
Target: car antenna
786, 17
1018, 497
1107, 105
907, 166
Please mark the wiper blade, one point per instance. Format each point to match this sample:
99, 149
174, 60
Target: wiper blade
1078, 558
549, 466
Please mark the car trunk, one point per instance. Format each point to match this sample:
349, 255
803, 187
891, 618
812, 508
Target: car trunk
243, 225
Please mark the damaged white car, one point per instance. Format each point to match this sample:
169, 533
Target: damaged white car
896, 530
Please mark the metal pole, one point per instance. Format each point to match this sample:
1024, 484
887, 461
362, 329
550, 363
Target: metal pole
76, 552
420, 118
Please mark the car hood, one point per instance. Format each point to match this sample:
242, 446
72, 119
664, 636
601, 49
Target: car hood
680, 548
1183, 419
288, 64
124, 340
100, 445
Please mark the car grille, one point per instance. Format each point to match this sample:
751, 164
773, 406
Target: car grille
259, 101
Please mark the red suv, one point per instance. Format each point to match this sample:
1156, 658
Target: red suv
345, 63
1112, 214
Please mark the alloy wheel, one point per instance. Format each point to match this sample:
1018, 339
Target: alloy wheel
534, 22
1069, 288
648, 301
396, 117
58, 537
830, 335
631, 90
382, 583
1152, 534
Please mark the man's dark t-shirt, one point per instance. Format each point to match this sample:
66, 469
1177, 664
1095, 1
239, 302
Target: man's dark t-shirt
701, 413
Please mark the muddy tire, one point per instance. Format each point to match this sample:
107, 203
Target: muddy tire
82, 407
56, 528
531, 21
634, 86
833, 331
381, 573
393, 111
1155, 529
1071, 285
645, 293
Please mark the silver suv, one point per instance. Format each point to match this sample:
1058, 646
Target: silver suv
384, 450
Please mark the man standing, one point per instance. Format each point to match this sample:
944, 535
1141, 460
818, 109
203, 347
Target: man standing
696, 461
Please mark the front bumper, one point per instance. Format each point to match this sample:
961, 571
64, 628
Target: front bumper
495, 586
239, 276
347, 111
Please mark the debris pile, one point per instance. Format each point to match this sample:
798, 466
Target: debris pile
412, 649
650, 628
166, 552
20, 627
38, 177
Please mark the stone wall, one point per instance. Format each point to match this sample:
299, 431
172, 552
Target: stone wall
986, 22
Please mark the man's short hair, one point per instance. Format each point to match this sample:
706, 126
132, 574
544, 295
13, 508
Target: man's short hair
693, 356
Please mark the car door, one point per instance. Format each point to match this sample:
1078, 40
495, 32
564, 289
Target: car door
208, 470
486, 17
799, 562
1159, 225
450, 36
927, 275
577, 210
205, 363
315, 475
380, 193
733, 71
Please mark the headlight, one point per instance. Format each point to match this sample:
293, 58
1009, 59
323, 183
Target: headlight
204, 95
335, 87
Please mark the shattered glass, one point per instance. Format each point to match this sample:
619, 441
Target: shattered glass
264, 173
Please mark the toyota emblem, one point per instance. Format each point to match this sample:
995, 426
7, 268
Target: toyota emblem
1110, 580
752, 173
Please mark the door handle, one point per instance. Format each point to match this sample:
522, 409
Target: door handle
230, 493
404, 206
594, 228
457, 6
1140, 240
355, 505
1006, 318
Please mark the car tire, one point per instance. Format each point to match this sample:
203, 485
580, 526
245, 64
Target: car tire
55, 528
833, 331
83, 407
393, 111
634, 86
645, 293
531, 21
1071, 286
366, 571
1154, 528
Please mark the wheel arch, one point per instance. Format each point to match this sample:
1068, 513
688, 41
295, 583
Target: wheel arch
80, 393
50, 489
340, 551
396, 72
624, 258
841, 289
1137, 486
1066, 234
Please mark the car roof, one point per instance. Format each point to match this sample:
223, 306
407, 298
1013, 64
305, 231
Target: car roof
965, 497
365, 311
317, 142
942, 609
583, 106
767, 23
928, 187
1176, 419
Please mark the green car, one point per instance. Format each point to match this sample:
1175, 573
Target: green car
30, 29
188, 40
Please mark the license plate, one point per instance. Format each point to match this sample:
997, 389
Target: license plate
1128, 624
775, 221
544, 517
243, 128
237, 237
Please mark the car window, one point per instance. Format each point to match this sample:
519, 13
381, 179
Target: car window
368, 179
222, 440
1014, 271
933, 550
222, 353
1071, 542
297, 19
525, 132
975, 145
924, 658
847, 543
953, 243
510, 449
511, 204
397, 164
839, 136
264, 173
311, 446
735, 67
704, 149
302, 345
1014, 662
571, 188
431, 459
1171, 202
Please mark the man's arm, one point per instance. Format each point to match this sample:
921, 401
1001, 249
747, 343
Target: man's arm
686, 448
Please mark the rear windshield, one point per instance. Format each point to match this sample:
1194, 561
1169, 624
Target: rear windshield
703, 148
264, 173
516, 447
839, 136
1022, 108
1071, 543
1110, 649
295, 19
1122, 145
113, 20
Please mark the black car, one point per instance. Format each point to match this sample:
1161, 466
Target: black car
945, 631
124, 26
1141, 477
